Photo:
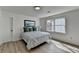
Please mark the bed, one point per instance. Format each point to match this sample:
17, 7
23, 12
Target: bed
35, 38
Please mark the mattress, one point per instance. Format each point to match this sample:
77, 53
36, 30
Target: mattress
35, 38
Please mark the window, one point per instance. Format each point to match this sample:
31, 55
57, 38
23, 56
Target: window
56, 25
50, 25
60, 25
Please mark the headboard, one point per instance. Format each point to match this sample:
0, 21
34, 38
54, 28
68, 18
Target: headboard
29, 25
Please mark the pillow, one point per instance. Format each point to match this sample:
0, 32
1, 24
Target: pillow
25, 29
34, 28
28, 29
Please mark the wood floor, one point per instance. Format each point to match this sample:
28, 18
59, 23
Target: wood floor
51, 47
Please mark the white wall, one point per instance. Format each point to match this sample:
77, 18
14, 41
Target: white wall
72, 26
0, 26
18, 23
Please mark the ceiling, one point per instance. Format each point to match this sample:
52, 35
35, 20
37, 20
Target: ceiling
43, 12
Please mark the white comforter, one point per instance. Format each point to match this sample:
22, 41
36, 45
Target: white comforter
35, 38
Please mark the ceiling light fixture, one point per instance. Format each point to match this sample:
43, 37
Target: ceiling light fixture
37, 8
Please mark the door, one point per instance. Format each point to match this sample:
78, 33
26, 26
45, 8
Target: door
11, 28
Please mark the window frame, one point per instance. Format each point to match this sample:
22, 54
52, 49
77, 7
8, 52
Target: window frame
57, 25
47, 25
